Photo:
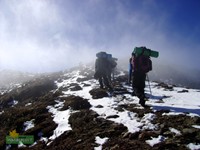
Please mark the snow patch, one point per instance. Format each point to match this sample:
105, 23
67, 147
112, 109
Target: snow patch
44, 139
193, 146
157, 140
28, 104
21, 145
147, 118
196, 126
127, 118
61, 118
100, 141
1, 112
33, 144
28, 125
177, 132
172, 114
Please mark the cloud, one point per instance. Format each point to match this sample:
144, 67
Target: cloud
54, 35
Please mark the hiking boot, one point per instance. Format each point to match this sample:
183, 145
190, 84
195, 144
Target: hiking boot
142, 102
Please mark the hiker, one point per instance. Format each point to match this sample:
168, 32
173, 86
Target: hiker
102, 70
111, 67
141, 64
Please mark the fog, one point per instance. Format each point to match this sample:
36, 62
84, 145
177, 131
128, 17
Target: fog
47, 36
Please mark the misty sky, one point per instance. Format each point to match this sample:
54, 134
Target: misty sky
52, 35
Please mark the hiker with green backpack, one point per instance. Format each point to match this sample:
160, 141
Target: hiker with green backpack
141, 65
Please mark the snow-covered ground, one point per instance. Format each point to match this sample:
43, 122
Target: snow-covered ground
174, 100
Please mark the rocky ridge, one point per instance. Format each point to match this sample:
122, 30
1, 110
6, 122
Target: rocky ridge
37, 101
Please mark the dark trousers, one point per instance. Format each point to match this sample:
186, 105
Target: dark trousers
104, 80
138, 84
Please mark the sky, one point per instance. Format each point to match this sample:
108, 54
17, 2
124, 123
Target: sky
53, 35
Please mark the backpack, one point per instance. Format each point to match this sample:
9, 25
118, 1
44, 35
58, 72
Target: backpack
102, 55
142, 63
113, 63
101, 65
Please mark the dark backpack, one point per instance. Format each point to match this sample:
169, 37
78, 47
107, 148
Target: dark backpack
113, 63
101, 65
142, 63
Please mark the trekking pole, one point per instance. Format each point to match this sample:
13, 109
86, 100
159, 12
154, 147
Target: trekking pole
149, 84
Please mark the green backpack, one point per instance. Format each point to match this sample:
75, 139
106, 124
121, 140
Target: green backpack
145, 51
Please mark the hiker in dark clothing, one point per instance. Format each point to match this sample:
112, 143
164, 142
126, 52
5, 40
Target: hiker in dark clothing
102, 70
141, 65
138, 78
111, 67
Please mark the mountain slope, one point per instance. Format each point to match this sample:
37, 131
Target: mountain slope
69, 111
9, 77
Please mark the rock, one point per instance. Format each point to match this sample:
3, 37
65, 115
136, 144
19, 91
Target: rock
115, 147
63, 88
85, 85
145, 135
168, 134
76, 88
183, 91
98, 93
83, 79
165, 86
198, 136
112, 116
126, 134
99, 106
57, 93
188, 131
159, 101
75, 102
134, 135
